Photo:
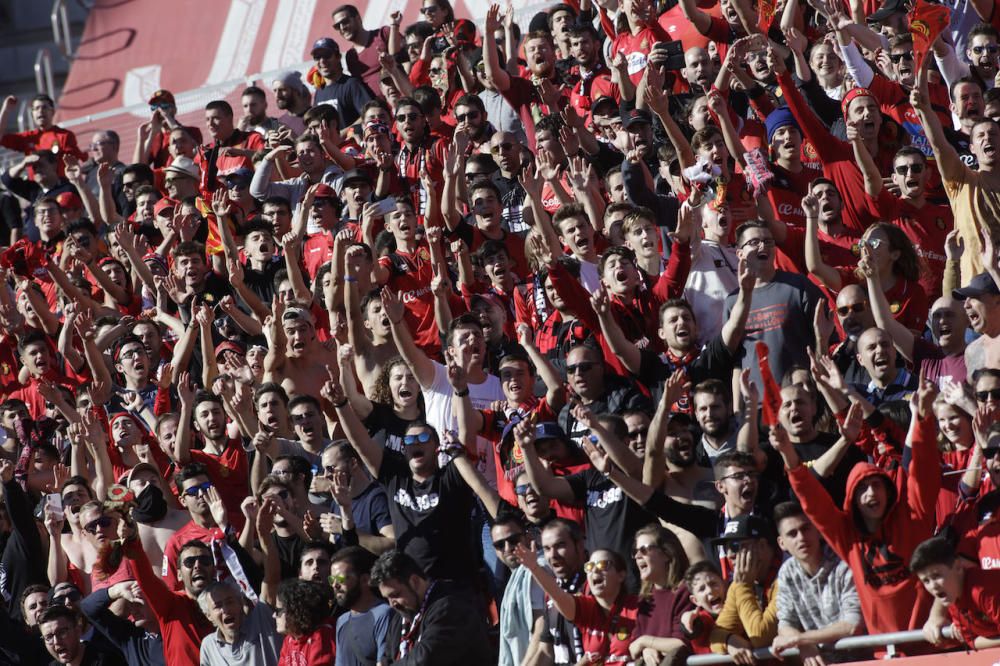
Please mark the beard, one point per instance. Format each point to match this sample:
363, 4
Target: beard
675, 457
349, 597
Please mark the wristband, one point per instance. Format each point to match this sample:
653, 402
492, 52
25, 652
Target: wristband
461, 394
339, 405
350, 278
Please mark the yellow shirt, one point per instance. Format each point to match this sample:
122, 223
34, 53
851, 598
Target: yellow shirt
975, 201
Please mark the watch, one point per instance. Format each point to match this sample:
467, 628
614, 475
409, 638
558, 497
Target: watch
464, 392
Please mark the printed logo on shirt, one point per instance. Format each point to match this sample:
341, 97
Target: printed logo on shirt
420, 503
990, 563
604, 499
636, 62
412, 296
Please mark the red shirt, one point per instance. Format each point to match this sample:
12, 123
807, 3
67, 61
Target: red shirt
927, 228
635, 48
191, 531
839, 250
55, 139
977, 611
786, 191
907, 300
364, 63
592, 86
606, 636
317, 649
524, 99
230, 473
238, 139
410, 276
679, 28
159, 149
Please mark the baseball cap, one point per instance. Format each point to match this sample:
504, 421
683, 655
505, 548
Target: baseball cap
980, 285
184, 166
376, 127
550, 430
489, 299
297, 313
602, 101
141, 467
230, 345
356, 176
69, 201
163, 205
888, 9
239, 175
162, 97
745, 527
324, 45
634, 116
324, 191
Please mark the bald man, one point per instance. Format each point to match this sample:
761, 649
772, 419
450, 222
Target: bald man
854, 314
889, 383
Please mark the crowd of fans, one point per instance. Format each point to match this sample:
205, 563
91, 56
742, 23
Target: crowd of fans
633, 333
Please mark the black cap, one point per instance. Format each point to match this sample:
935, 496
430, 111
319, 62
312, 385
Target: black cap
888, 9
981, 285
356, 175
745, 527
631, 117
324, 45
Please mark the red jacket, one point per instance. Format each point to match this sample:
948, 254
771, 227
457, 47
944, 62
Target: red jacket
977, 611
892, 599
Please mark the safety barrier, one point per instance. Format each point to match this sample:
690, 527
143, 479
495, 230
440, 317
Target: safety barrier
888, 642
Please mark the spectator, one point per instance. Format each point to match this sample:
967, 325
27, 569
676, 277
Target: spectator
361, 631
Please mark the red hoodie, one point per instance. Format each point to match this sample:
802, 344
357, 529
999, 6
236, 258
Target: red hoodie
892, 599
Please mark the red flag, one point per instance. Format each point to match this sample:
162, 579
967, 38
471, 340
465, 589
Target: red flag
771, 400
927, 21
766, 9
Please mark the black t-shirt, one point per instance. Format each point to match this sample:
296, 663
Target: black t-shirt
289, 553
348, 95
261, 283
620, 395
386, 428
611, 517
432, 519
715, 361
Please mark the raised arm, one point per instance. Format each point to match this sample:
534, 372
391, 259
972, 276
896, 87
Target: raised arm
949, 163
561, 599
902, 337
494, 72
420, 364
654, 97
735, 327
626, 351
470, 423
827, 274
182, 440
873, 178
555, 394
272, 564
370, 452
541, 478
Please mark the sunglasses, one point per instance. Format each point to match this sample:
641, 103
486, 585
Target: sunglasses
509, 542
462, 117
337, 579
472, 175
70, 596
600, 566
991, 49
903, 169
203, 560
644, 550
991, 394
437, 71
278, 612
427, 11
585, 366
856, 308
194, 491
402, 117
899, 57
636, 434
342, 24
101, 523
522, 489
873, 243
410, 440
734, 547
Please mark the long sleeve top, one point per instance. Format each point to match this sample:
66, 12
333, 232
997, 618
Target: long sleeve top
140, 647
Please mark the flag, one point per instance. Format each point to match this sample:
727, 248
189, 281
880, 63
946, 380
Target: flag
771, 398
927, 21
766, 10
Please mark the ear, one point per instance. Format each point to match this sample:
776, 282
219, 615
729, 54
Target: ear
719, 487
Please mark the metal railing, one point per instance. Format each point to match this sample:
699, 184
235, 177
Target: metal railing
61, 33
887, 641
43, 74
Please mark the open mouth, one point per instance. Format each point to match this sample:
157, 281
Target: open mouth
912, 183
299, 346
621, 275
405, 394
583, 243
714, 602
880, 362
989, 149
869, 126
827, 209
682, 334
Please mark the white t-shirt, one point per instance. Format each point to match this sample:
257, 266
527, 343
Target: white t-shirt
437, 400
711, 279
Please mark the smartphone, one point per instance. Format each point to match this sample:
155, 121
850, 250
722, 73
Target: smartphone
54, 502
385, 206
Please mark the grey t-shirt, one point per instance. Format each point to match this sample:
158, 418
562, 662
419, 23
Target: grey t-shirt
257, 644
361, 636
781, 316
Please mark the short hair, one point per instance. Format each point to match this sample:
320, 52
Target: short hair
394, 565
42, 97
271, 481
408, 101
202, 395
517, 355
984, 372
321, 112
196, 544
703, 567
904, 39
188, 249
491, 248
471, 101
636, 215
569, 211
484, 161
620, 251
143, 190
253, 91
551, 123
539, 34
141, 171
271, 387
936, 550
982, 29
360, 560
571, 527
681, 303
59, 612
466, 320
220, 105
909, 151
421, 29
304, 399
787, 510
189, 471
350, 9
32, 338
77, 481
581, 29
703, 136
957, 82
428, 98
281, 202
992, 95
733, 459
484, 183
299, 465
325, 546
747, 226
212, 588
309, 137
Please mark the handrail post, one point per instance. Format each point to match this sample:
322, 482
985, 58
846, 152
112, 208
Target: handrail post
43, 73
61, 33
23, 124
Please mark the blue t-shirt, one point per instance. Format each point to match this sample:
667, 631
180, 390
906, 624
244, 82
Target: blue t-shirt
361, 636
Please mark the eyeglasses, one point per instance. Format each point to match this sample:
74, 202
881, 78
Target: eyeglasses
980, 50
203, 560
856, 308
437, 71
991, 394
57, 635
873, 243
130, 184
903, 169
741, 476
403, 117
599, 566
585, 366
644, 549
283, 494
759, 242
194, 491
462, 117
522, 489
505, 146
71, 596
509, 542
472, 175
101, 523
410, 440
430, 9
899, 57
135, 352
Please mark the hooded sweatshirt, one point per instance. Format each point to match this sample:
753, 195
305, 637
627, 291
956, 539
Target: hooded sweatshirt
892, 599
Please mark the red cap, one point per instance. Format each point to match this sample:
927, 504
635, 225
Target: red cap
162, 97
69, 201
852, 95
324, 191
166, 203
230, 345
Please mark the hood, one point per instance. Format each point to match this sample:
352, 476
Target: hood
860, 472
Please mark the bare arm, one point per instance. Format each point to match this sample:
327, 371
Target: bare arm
814, 260
496, 74
370, 452
420, 364
902, 337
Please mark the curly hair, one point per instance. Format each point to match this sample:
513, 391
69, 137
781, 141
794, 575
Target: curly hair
381, 393
307, 605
